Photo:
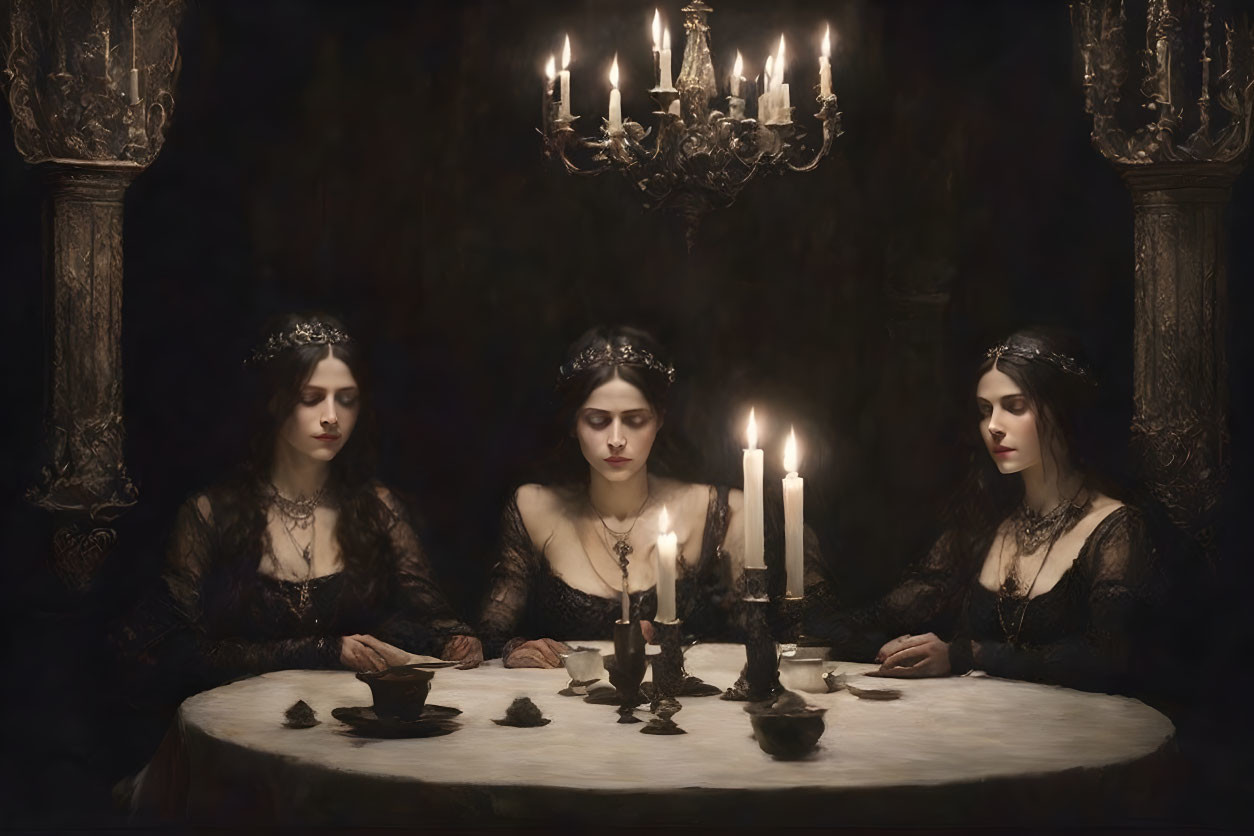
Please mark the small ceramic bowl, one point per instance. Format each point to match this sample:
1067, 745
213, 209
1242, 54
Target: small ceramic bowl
399, 693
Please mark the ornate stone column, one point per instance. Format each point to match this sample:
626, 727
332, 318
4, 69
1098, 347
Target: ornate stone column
89, 85
1179, 161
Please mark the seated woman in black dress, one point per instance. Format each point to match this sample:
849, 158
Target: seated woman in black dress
303, 560
558, 574
1046, 575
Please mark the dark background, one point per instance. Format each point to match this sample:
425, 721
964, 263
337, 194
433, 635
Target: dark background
380, 160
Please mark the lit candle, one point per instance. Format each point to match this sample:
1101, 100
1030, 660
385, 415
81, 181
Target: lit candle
755, 547
665, 83
782, 105
565, 80
764, 95
667, 551
657, 47
825, 65
736, 104
550, 75
794, 524
616, 100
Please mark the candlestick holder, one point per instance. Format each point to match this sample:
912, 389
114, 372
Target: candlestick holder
696, 163
626, 669
760, 678
668, 676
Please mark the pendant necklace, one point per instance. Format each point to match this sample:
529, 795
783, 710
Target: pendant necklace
622, 544
300, 512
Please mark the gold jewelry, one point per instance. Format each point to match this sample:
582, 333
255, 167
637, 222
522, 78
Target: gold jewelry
301, 611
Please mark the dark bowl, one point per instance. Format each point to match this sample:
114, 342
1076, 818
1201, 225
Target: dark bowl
788, 736
399, 693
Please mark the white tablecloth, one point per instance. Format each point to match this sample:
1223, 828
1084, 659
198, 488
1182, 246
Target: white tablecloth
957, 749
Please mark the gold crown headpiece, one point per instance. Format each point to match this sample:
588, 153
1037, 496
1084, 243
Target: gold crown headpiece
308, 332
613, 355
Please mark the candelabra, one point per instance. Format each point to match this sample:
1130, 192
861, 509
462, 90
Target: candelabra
1179, 163
700, 157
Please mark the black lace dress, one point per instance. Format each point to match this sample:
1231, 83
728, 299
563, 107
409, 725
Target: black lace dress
527, 600
1080, 633
217, 620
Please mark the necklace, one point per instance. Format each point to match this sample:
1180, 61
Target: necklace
1033, 529
1029, 536
622, 544
302, 607
299, 511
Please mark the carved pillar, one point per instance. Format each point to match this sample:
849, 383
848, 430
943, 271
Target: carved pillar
89, 85
1179, 166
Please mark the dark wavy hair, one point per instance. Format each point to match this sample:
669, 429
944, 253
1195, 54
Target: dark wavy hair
239, 504
572, 391
1051, 367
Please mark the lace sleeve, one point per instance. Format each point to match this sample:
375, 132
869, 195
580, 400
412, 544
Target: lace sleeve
419, 618
1120, 584
509, 584
927, 599
191, 636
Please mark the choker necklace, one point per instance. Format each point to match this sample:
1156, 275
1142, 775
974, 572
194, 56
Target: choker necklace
299, 511
622, 546
1032, 529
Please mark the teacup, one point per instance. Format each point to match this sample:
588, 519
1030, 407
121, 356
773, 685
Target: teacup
399, 692
585, 666
803, 674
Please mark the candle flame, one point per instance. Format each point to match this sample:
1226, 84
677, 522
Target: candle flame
614, 72
664, 522
790, 452
666, 39
770, 69
550, 69
739, 68
657, 30
566, 54
827, 42
752, 431
779, 62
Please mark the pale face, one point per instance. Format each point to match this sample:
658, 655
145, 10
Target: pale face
325, 412
616, 428
1008, 422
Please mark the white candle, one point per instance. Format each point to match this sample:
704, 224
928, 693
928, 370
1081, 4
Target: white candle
764, 98
616, 100
794, 524
735, 76
133, 86
657, 47
565, 80
755, 547
665, 83
825, 65
782, 107
667, 551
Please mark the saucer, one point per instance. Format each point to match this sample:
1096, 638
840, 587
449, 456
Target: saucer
435, 720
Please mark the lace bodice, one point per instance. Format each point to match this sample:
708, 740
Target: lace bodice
526, 599
215, 622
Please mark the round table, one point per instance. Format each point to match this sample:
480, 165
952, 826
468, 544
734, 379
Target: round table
972, 749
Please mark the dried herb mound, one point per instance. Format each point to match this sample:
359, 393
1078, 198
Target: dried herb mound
523, 713
300, 716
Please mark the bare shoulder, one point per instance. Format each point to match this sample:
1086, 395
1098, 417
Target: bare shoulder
1103, 506
735, 500
534, 499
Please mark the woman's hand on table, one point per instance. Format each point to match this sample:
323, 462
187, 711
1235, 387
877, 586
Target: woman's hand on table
465, 649
390, 653
913, 656
357, 655
537, 653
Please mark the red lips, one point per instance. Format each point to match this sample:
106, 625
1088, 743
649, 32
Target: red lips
616, 460
326, 437
1000, 449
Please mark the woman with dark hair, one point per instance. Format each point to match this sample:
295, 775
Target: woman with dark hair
559, 568
303, 560
1043, 576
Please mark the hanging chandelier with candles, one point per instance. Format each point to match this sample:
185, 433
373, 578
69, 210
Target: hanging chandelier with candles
701, 156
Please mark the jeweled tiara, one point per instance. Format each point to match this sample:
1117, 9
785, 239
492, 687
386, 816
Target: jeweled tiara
613, 355
1070, 365
309, 332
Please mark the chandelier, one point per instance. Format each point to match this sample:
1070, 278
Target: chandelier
700, 157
